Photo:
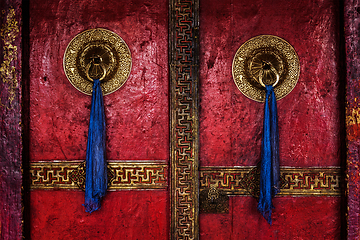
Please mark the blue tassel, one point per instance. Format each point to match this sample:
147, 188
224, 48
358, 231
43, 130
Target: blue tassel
274, 131
96, 167
269, 174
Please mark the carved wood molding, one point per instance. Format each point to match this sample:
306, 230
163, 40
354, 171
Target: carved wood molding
183, 57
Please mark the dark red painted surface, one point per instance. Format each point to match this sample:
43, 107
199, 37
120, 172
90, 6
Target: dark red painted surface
293, 218
10, 120
309, 117
309, 120
137, 116
352, 25
123, 215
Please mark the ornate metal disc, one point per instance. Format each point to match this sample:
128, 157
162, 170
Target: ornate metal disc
270, 59
97, 53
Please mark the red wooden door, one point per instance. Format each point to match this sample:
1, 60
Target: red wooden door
137, 118
230, 125
309, 205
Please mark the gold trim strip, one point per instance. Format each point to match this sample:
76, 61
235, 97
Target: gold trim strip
311, 181
296, 181
153, 175
184, 122
124, 175
50, 175
225, 178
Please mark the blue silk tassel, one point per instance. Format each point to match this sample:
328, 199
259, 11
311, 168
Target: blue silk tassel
270, 171
96, 167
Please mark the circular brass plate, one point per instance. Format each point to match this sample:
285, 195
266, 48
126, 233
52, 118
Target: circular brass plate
100, 43
250, 58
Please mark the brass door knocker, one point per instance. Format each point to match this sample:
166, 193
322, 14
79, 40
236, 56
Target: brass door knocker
265, 60
97, 54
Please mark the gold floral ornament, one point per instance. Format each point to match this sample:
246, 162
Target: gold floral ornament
265, 60
97, 54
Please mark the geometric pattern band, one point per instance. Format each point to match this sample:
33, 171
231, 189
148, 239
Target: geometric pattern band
314, 181
121, 175
183, 66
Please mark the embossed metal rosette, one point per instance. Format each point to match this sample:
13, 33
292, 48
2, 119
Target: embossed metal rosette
97, 53
265, 59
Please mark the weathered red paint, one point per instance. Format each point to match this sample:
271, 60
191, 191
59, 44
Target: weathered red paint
123, 215
309, 117
353, 132
137, 116
293, 218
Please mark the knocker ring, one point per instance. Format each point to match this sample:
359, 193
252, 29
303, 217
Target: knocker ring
96, 61
267, 65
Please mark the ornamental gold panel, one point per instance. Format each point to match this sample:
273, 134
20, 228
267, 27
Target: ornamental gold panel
294, 181
121, 175
154, 175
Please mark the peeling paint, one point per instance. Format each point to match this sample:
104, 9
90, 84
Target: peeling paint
10, 115
352, 40
353, 117
8, 33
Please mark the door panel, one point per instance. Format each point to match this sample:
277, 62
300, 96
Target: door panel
309, 117
123, 215
137, 119
138, 116
292, 218
230, 125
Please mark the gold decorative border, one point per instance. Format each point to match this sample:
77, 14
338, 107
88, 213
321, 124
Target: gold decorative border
124, 175
184, 121
296, 181
153, 175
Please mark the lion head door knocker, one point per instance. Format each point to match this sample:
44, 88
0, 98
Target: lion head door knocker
265, 69
97, 62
